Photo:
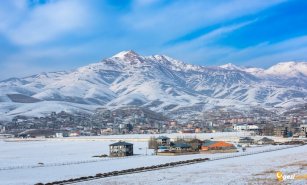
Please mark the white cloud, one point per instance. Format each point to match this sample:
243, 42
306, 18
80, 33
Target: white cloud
208, 37
37, 31
181, 17
266, 54
10, 13
203, 49
46, 22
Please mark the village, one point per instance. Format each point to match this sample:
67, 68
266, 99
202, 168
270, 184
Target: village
143, 139
135, 120
165, 146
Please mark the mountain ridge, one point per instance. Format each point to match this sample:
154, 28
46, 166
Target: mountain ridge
157, 82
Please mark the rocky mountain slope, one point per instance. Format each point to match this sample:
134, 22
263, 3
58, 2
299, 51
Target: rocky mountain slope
157, 82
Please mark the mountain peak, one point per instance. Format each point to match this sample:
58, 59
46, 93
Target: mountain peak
289, 69
157, 82
230, 66
126, 54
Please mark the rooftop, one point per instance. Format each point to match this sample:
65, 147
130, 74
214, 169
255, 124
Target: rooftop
121, 143
163, 137
266, 139
208, 142
182, 145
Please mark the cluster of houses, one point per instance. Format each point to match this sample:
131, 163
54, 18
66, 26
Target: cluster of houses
246, 141
279, 130
126, 120
138, 120
163, 145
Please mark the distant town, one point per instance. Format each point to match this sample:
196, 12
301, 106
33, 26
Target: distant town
137, 120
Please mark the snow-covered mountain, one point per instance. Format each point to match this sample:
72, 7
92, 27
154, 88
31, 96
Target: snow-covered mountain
157, 82
284, 73
231, 66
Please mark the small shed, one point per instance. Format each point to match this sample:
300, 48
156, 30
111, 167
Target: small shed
121, 149
246, 140
265, 141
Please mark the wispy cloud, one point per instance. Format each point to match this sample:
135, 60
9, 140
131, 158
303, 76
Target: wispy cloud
46, 23
266, 54
203, 48
69, 33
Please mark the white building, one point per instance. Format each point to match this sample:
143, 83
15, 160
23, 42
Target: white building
252, 127
240, 127
2, 129
303, 130
244, 127
59, 135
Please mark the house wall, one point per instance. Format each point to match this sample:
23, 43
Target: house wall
121, 151
303, 130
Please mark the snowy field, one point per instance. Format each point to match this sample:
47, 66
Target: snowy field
253, 169
32, 153
145, 137
56, 153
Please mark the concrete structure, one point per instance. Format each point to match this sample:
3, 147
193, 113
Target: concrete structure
163, 141
303, 132
59, 135
121, 149
245, 127
246, 140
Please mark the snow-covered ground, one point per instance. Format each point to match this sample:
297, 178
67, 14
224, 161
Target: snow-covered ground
230, 136
49, 152
253, 169
54, 153
21, 152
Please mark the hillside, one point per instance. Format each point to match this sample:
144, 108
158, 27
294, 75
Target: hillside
157, 82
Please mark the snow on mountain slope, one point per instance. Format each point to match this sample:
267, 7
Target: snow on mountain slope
157, 82
282, 70
152, 79
285, 74
291, 73
84, 85
230, 66
9, 110
288, 69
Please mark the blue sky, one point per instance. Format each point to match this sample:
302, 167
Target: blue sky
51, 35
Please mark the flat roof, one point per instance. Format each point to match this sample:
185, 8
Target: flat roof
121, 143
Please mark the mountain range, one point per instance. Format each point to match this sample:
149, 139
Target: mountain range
157, 82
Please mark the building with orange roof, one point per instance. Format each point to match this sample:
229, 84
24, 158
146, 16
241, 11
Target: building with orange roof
217, 146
